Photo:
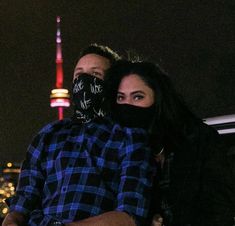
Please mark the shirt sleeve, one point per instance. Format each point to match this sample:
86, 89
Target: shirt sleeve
137, 171
31, 179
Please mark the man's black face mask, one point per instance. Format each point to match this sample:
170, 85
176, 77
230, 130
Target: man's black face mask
88, 98
134, 116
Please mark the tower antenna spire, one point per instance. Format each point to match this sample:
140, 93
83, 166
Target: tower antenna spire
59, 97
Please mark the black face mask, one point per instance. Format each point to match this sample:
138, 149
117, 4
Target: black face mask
133, 116
88, 98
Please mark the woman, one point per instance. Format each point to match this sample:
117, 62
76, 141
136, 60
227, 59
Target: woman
193, 184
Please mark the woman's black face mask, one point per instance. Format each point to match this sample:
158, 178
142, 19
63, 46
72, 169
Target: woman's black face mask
139, 117
134, 116
88, 98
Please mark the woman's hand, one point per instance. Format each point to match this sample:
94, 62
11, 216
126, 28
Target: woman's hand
157, 220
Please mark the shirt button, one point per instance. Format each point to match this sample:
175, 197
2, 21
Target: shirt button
59, 215
64, 189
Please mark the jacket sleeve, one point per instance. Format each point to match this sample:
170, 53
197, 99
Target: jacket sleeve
137, 171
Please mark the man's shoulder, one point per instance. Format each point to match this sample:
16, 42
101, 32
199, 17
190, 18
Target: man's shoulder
56, 126
108, 124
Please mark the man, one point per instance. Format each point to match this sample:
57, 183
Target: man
85, 170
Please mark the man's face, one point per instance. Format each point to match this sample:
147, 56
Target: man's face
92, 64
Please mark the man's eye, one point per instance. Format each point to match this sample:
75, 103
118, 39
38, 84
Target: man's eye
97, 74
77, 74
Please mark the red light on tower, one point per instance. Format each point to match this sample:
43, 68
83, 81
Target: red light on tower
59, 96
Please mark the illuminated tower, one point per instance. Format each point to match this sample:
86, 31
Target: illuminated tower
59, 96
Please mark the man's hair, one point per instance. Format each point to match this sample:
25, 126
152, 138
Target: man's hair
101, 50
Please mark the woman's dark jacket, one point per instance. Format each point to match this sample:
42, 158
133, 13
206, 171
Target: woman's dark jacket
201, 191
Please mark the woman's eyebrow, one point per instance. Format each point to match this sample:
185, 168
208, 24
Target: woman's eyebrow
132, 93
138, 92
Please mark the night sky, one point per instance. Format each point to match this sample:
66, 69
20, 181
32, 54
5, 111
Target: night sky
192, 40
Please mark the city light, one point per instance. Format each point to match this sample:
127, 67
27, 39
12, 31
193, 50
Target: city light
8, 181
9, 164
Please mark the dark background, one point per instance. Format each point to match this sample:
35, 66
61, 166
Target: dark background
192, 40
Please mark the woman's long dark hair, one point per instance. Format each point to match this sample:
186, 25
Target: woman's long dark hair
179, 132
173, 118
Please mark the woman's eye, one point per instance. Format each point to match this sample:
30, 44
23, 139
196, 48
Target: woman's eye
119, 98
138, 97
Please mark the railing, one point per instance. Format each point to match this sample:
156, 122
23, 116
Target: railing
224, 124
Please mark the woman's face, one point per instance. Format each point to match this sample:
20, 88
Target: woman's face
134, 91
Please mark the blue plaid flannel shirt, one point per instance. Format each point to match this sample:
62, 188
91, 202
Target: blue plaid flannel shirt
73, 171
